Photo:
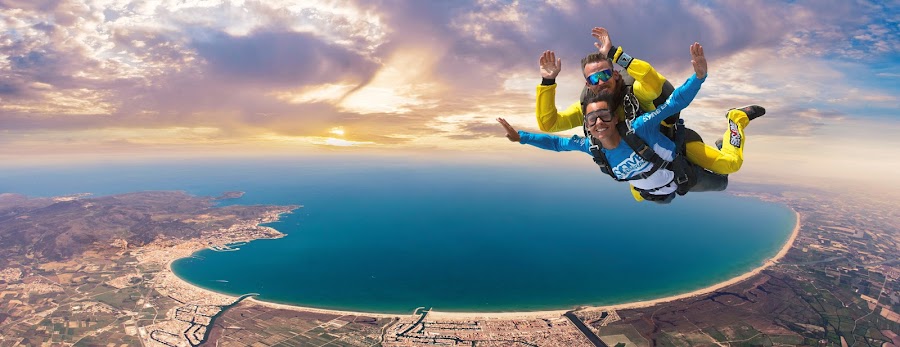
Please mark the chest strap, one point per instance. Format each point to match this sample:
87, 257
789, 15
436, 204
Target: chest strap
636, 144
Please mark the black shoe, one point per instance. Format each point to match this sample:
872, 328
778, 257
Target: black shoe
753, 111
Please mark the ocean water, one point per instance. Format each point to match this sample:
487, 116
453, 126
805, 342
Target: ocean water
390, 236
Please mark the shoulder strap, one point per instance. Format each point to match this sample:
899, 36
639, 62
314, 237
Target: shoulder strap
599, 157
630, 103
601, 161
639, 146
636, 144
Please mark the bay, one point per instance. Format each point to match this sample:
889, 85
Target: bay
389, 236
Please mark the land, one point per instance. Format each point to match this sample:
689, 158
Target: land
230, 195
88, 271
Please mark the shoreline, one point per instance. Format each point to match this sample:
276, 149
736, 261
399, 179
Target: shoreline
527, 314
638, 304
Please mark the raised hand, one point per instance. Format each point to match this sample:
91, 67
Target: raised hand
603, 44
550, 65
698, 60
511, 132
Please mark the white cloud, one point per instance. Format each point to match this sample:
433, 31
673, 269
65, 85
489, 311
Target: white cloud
344, 143
399, 86
318, 93
440, 73
53, 103
307, 141
480, 23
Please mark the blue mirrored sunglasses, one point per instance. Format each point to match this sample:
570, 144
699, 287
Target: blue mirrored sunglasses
602, 75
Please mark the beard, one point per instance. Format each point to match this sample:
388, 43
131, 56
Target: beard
618, 93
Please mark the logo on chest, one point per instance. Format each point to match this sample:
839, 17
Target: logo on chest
629, 166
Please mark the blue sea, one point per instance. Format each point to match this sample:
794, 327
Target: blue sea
390, 235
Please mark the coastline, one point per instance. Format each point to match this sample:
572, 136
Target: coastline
524, 314
637, 304
323, 310
185, 283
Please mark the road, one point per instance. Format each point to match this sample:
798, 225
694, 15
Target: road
585, 330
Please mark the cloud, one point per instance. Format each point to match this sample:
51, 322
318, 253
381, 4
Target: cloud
280, 58
410, 74
64, 102
398, 87
478, 130
30, 4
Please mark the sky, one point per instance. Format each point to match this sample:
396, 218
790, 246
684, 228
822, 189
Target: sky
104, 79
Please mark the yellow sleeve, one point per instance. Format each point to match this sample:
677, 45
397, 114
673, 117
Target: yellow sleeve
647, 82
547, 116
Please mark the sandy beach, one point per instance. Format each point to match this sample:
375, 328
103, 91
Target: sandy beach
326, 311
774, 260
211, 293
535, 314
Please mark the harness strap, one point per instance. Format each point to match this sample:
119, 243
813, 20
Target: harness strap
654, 189
640, 147
630, 104
601, 161
683, 177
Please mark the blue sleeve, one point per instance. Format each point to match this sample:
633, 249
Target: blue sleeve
555, 143
680, 98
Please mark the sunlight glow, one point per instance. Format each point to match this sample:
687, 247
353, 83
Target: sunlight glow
318, 93
402, 83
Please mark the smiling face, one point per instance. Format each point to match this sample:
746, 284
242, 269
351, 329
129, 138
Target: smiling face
598, 127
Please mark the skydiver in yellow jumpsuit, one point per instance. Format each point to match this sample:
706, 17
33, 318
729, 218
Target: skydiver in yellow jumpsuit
650, 88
